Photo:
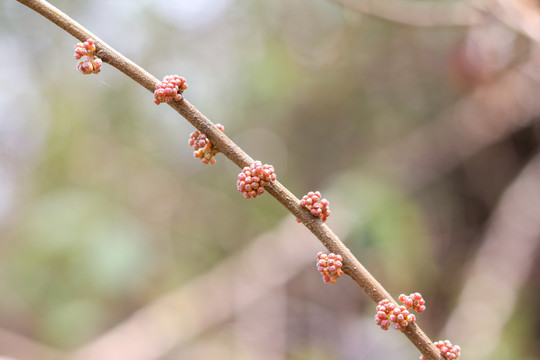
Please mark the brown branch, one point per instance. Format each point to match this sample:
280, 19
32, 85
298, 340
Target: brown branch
476, 121
351, 266
20, 347
522, 16
417, 13
510, 241
148, 335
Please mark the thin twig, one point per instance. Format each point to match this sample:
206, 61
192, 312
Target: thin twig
476, 121
211, 308
417, 13
20, 347
519, 15
510, 241
351, 266
522, 16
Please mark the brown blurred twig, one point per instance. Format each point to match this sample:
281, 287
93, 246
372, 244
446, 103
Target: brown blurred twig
523, 16
201, 304
501, 267
352, 266
284, 252
417, 13
15, 345
478, 120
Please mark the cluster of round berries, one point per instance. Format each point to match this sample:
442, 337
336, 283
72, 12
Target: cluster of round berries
415, 301
93, 64
329, 266
204, 149
389, 312
399, 314
317, 207
171, 88
448, 351
253, 178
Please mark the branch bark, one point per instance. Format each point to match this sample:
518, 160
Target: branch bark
522, 16
500, 270
20, 347
417, 13
151, 332
476, 121
351, 265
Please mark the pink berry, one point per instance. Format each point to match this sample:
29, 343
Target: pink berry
317, 207
329, 266
253, 178
399, 315
415, 301
171, 88
97, 65
448, 351
204, 149
85, 67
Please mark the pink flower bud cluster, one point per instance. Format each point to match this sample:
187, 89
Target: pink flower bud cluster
93, 64
389, 312
399, 314
171, 88
204, 149
253, 178
415, 301
329, 266
448, 351
317, 207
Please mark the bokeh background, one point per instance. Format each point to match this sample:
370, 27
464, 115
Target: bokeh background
418, 121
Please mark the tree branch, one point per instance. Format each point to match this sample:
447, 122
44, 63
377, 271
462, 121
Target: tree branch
131, 339
476, 121
521, 16
417, 13
351, 266
15, 345
509, 242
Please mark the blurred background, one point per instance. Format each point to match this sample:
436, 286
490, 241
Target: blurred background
419, 121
